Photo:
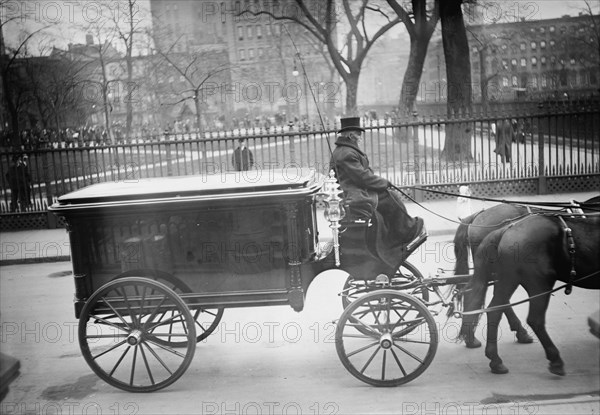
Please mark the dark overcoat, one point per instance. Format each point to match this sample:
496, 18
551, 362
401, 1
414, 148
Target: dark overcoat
360, 185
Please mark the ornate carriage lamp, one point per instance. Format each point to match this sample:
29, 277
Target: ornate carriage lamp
334, 211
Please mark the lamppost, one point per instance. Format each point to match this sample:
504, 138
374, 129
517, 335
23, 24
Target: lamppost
305, 91
296, 73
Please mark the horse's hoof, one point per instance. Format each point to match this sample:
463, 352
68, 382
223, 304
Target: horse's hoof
473, 344
523, 337
557, 369
499, 369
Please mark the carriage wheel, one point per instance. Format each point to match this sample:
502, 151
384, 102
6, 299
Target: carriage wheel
122, 328
398, 343
207, 319
406, 275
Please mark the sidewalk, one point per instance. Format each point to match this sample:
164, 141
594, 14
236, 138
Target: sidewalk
50, 245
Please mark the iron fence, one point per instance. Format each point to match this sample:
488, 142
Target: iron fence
408, 153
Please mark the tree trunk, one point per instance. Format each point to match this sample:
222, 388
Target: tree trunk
458, 73
352, 93
412, 76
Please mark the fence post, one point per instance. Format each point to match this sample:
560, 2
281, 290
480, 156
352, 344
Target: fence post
168, 151
542, 182
52, 222
416, 158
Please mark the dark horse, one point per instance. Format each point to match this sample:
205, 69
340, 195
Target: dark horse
533, 252
475, 228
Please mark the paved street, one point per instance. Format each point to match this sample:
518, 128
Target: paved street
273, 360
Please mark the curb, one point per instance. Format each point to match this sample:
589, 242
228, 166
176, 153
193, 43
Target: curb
38, 260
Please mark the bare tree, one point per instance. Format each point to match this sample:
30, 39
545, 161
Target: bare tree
14, 91
458, 73
420, 22
349, 59
127, 23
196, 68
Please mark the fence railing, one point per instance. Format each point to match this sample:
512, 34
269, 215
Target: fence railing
408, 153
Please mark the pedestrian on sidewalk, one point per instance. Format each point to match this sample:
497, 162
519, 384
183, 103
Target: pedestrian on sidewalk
463, 204
19, 181
242, 158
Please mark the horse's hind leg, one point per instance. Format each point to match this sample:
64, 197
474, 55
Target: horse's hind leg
537, 320
517, 327
503, 290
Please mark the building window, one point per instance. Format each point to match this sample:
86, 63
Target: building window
259, 31
523, 46
523, 62
513, 63
552, 43
553, 59
242, 54
542, 29
543, 60
515, 81
533, 61
552, 29
268, 30
504, 46
504, 81
240, 31
543, 44
260, 52
533, 46
544, 81
572, 61
504, 63
249, 32
250, 54
534, 81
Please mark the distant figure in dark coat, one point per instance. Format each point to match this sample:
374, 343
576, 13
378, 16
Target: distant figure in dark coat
19, 181
504, 136
242, 158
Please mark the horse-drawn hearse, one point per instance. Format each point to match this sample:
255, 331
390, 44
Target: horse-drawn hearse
156, 262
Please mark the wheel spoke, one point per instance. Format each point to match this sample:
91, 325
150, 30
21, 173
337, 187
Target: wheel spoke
106, 336
153, 314
147, 365
370, 360
133, 365
418, 359
119, 361
383, 364
134, 319
362, 349
157, 357
168, 349
163, 322
116, 312
109, 323
109, 350
398, 362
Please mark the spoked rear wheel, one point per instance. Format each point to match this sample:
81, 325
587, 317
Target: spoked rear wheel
397, 341
122, 332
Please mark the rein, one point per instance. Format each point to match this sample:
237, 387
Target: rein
460, 314
527, 205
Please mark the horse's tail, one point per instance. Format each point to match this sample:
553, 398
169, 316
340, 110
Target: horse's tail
461, 246
474, 293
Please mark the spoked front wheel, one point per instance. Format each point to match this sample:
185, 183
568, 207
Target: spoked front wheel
122, 331
396, 342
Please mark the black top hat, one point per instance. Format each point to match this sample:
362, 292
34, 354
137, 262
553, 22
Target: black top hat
351, 123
